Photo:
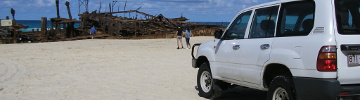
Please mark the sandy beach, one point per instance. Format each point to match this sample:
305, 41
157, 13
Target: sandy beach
99, 69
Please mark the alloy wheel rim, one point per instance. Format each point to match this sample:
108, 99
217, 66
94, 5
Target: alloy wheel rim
280, 94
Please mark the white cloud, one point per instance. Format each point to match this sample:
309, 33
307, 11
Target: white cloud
41, 3
8, 3
27, 3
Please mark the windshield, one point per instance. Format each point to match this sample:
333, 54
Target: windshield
347, 16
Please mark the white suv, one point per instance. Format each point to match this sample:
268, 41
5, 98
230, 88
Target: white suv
294, 49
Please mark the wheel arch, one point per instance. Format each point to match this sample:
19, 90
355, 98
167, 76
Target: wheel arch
201, 60
273, 70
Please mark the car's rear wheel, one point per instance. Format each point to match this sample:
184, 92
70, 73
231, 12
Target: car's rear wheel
281, 88
205, 81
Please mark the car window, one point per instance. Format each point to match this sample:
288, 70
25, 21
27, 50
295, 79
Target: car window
296, 18
303, 26
263, 24
348, 16
238, 27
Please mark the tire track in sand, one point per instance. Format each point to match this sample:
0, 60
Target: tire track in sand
9, 70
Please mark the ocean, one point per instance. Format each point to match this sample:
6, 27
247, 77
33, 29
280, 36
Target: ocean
214, 23
35, 24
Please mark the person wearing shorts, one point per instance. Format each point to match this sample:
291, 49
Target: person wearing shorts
179, 34
92, 32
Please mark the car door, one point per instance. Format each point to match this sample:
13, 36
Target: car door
255, 50
228, 48
348, 41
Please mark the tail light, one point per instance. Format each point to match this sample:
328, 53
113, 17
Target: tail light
344, 93
326, 60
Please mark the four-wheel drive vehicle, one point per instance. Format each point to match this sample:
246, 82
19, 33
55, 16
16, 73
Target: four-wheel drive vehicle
294, 49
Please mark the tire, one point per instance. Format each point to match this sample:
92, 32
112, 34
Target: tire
205, 81
223, 85
281, 88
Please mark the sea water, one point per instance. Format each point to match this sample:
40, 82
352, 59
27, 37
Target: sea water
36, 24
225, 24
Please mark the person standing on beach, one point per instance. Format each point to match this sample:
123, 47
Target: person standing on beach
92, 32
187, 38
179, 34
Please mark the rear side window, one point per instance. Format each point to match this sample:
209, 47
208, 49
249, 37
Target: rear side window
263, 24
348, 16
296, 18
238, 27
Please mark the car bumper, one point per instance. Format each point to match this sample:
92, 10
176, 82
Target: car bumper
325, 89
194, 63
194, 60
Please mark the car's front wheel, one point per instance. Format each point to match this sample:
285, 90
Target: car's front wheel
205, 81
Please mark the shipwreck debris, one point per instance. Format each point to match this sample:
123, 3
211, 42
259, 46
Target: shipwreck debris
10, 30
108, 25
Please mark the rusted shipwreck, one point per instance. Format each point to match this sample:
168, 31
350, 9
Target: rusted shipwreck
151, 26
108, 25
11, 28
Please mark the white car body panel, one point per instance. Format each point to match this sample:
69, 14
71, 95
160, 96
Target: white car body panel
246, 66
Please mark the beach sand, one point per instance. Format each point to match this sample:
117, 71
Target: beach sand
99, 69
104, 69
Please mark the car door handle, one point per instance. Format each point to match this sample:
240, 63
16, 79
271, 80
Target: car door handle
264, 46
236, 47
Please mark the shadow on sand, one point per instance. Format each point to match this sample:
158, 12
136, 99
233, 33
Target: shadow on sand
242, 93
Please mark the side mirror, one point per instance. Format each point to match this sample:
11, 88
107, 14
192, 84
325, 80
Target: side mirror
218, 33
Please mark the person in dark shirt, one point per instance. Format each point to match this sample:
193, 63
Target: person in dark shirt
179, 34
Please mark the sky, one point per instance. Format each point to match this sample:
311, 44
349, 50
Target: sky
194, 10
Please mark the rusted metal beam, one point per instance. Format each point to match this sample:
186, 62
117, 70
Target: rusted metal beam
145, 14
67, 3
43, 27
12, 13
57, 9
